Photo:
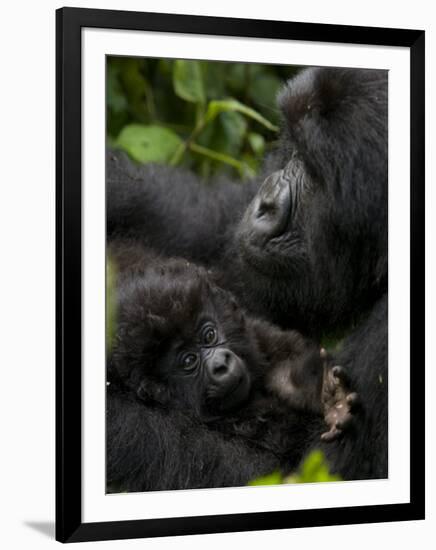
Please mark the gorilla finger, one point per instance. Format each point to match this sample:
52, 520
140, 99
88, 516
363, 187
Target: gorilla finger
353, 400
330, 435
340, 373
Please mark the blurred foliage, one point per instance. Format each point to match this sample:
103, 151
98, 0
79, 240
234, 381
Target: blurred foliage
333, 342
111, 304
313, 470
212, 117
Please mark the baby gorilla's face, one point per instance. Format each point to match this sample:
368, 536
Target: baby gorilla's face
203, 371
182, 341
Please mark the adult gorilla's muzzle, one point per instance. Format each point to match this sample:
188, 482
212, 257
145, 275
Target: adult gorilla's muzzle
268, 214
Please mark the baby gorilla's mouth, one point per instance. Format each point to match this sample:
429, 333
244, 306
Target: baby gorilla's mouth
236, 394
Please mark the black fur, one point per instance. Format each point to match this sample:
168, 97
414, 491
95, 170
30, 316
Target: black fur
363, 454
150, 449
166, 208
163, 307
329, 266
326, 269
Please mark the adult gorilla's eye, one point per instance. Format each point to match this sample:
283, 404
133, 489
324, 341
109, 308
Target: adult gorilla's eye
209, 336
188, 361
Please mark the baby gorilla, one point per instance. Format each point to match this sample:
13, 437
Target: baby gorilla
183, 343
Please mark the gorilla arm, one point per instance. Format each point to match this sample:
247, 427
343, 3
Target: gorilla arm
363, 453
306, 378
171, 210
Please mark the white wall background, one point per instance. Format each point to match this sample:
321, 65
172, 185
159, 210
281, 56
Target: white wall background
27, 210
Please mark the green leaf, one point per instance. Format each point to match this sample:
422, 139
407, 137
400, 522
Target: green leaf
115, 98
239, 76
132, 78
271, 479
313, 470
135, 85
214, 76
221, 106
220, 157
148, 143
263, 92
252, 165
228, 134
257, 143
224, 137
236, 77
332, 342
188, 81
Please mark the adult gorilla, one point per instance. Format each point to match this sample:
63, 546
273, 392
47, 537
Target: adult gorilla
315, 237
311, 249
312, 246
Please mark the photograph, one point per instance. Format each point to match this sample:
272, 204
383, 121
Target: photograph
217, 254
247, 274
240, 307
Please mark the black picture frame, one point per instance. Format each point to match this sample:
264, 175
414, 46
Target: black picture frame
69, 525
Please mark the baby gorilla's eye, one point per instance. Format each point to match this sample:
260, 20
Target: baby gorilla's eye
209, 336
188, 361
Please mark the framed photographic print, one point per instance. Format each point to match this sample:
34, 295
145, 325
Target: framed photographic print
240, 275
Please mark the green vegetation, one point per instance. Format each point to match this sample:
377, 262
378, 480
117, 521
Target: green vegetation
212, 117
313, 470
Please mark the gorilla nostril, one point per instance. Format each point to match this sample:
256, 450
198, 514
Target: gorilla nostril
220, 370
265, 207
271, 210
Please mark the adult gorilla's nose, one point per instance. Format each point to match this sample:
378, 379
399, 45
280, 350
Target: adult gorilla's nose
270, 210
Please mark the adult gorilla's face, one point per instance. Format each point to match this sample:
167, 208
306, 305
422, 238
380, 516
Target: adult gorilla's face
313, 242
270, 233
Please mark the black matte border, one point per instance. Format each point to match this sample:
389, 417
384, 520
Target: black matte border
69, 22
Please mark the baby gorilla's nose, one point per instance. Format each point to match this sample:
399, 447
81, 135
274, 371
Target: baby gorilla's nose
222, 366
229, 378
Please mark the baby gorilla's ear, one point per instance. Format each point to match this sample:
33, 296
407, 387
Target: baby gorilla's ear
152, 391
